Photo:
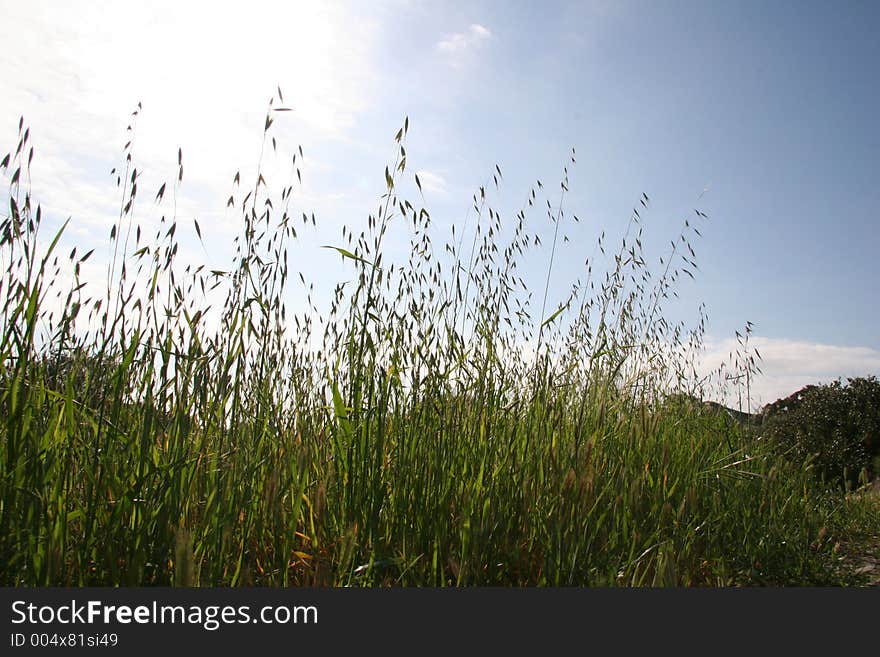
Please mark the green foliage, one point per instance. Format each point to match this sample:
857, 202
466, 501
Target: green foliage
837, 425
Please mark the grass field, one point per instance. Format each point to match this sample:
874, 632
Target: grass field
436, 427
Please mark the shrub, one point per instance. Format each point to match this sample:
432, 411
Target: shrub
836, 424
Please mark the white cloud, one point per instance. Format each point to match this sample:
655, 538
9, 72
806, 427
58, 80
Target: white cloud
480, 32
788, 365
460, 42
432, 182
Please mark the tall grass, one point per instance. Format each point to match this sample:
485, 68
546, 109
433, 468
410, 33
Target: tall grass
429, 429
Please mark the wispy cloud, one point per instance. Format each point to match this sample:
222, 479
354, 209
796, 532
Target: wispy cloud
788, 365
432, 182
460, 42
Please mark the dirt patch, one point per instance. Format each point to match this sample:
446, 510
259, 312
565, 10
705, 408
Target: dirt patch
865, 566
861, 556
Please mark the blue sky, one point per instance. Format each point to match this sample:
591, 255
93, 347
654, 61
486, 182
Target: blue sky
766, 109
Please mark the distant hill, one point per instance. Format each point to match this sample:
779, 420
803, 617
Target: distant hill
740, 417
